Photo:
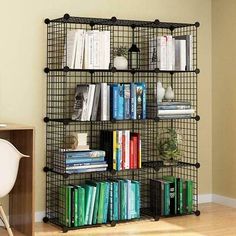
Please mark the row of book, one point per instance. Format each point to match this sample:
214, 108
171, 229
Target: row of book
88, 49
180, 109
98, 202
171, 52
104, 102
123, 149
85, 161
171, 196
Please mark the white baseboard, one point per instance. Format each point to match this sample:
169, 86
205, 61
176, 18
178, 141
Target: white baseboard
204, 198
39, 216
224, 200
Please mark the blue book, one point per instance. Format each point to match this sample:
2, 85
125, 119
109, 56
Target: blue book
120, 115
84, 160
86, 170
118, 158
115, 201
85, 154
114, 90
133, 211
141, 100
133, 105
127, 114
137, 198
106, 202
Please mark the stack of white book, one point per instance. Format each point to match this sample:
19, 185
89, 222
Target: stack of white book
171, 52
88, 49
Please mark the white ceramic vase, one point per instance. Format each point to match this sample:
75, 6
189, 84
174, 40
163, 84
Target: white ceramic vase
160, 92
120, 63
169, 94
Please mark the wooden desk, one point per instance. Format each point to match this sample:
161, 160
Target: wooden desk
21, 198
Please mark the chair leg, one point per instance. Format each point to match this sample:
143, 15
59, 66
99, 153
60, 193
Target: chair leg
5, 221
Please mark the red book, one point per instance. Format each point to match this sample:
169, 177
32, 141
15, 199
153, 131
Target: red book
123, 152
135, 146
131, 161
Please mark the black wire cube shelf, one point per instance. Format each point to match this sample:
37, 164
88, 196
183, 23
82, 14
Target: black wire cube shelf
61, 86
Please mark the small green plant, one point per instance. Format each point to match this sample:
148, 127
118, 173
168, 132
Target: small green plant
169, 145
121, 51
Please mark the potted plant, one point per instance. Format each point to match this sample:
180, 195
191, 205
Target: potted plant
120, 58
170, 145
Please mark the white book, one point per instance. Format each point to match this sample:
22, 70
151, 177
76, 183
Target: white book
175, 112
161, 52
108, 102
86, 167
104, 101
152, 53
105, 50
190, 52
96, 102
173, 53
96, 49
180, 54
90, 100
127, 149
71, 43
79, 49
169, 52
88, 63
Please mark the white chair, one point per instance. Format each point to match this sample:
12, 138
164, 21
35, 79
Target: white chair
9, 164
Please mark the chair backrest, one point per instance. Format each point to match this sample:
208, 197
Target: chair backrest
9, 163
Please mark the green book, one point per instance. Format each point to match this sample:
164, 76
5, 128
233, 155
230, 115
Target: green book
184, 202
76, 194
106, 202
94, 190
88, 198
101, 202
173, 194
123, 196
111, 202
189, 205
81, 205
179, 196
68, 205
95, 211
115, 201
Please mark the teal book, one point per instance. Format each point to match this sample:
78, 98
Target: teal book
81, 205
123, 199
88, 198
189, 185
173, 194
166, 198
111, 202
101, 202
68, 205
106, 202
133, 212
128, 207
95, 211
90, 220
137, 197
115, 201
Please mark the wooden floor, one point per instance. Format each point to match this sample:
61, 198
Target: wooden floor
215, 220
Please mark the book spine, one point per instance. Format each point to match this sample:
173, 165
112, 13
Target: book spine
72, 207
95, 212
108, 102
76, 171
81, 167
189, 196
123, 150
81, 206
84, 162
115, 201
135, 144
133, 101
168, 52
176, 112
95, 102
119, 149
174, 107
122, 200
107, 49
153, 53
161, 52
111, 202
131, 153
96, 49
104, 101
92, 205
139, 147
101, 202
127, 101
114, 101
106, 202
68, 206
127, 149
180, 197
184, 197
114, 150
120, 113
84, 154
183, 55
129, 203
139, 100
71, 48
167, 198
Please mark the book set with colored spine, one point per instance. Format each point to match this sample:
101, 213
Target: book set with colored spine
171, 196
99, 202
104, 101
85, 161
123, 149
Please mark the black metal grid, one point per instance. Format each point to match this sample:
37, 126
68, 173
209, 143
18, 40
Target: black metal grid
61, 84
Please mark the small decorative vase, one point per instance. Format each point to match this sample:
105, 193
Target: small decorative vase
160, 92
120, 63
169, 94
